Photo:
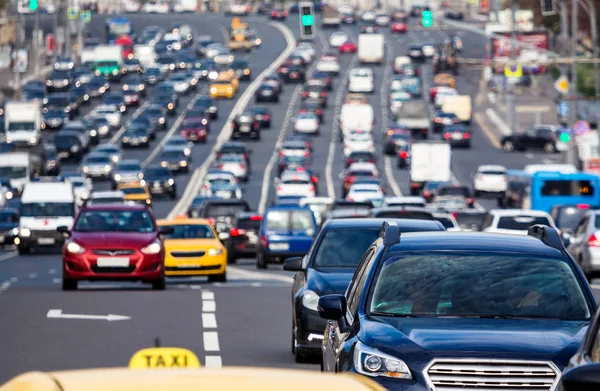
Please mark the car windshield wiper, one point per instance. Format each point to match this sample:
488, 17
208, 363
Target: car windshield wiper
391, 314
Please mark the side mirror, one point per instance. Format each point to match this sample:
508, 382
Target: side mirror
583, 378
165, 230
293, 264
332, 307
63, 229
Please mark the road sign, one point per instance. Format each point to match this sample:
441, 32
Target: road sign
581, 127
86, 16
20, 61
563, 109
513, 71
72, 13
562, 85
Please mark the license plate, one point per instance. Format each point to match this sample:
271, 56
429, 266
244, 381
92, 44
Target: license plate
279, 246
314, 94
223, 194
112, 261
46, 241
134, 142
252, 239
293, 74
245, 128
157, 185
63, 154
174, 166
457, 136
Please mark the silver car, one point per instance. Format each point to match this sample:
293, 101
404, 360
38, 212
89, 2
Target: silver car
97, 165
128, 170
111, 150
235, 164
585, 244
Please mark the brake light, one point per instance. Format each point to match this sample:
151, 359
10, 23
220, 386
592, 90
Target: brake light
470, 201
319, 112
593, 241
351, 199
304, 94
453, 214
306, 153
220, 166
350, 161
426, 193
243, 166
279, 188
284, 13
256, 218
237, 232
303, 111
467, 135
323, 94
447, 136
311, 188
314, 179
438, 120
266, 116
281, 154
211, 222
264, 242
403, 155
274, 13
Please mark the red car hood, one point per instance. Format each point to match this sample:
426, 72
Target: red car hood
114, 240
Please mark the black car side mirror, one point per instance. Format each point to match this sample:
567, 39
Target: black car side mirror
165, 230
63, 229
332, 307
293, 264
582, 378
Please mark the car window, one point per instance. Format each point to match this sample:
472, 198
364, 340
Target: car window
277, 219
303, 220
190, 231
521, 223
568, 217
435, 284
358, 282
343, 247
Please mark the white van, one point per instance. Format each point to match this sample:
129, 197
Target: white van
361, 80
16, 167
45, 206
355, 117
145, 54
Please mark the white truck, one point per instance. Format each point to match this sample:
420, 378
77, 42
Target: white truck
330, 17
430, 162
108, 53
23, 122
145, 54
415, 116
88, 56
371, 48
17, 167
460, 105
354, 117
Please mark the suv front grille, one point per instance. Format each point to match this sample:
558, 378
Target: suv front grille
490, 374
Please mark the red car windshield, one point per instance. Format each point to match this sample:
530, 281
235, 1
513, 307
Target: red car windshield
115, 221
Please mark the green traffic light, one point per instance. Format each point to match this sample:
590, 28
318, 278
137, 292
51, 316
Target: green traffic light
564, 137
427, 19
33, 5
308, 20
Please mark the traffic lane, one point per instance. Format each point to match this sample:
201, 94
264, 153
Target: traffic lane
31, 341
267, 313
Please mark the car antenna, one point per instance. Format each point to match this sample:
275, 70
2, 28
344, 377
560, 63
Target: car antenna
157, 342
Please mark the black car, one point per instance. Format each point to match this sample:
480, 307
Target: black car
323, 79
201, 43
457, 135
175, 160
52, 161
81, 93
348, 18
115, 98
315, 92
59, 80
166, 101
33, 94
455, 191
314, 106
394, 138
360, 156
132, 65
134, 83
443, 119
153, 76
295, 74
135, 137
274, 79
266, 93
245, 125
291, 162
208, 104
328, 269
60, 101
158, 115
415, 52
402, 212
144, 122
68, 145
278, 14
243, 236
454, 15
264, 8
537, 137
369, 27
262, 115
403, 151
159, 180
241, 68
98, 86
223, 212
9, 220
54, 118
235, 148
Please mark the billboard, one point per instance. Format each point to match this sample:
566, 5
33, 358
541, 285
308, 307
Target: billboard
531, 50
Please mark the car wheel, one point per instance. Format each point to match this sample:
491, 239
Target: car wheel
508, 146
159, 284
23, 250
301, 356
218, 277
294, 342
261, 261
173, 195
549, 147
69, 284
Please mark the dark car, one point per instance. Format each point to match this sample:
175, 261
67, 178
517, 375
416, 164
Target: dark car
423, 310
537, 137
9, 220
52, 161
80, 93
567, 218
415, 52
334, 256
457, 136
158, 116
235, 148
245, 125
59, 101
135, 137
166, 101
266, 93
159, 180
454, 190
264, 8
98, 86
369, 27
144, 122
360, 156
295, 74
131, 98
315, 92
174, 159
323, 79
222, 213
208, 104
395, 138
278, 14
153, 75
132, 65
404, 157
262, 114
241, 68
314, 106
54, 118
443, 119
243, 236
59, 80
275, 80
115, 98
454, 15
402, 212
68, 145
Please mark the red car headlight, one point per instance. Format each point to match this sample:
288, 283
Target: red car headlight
152, 248
75, 248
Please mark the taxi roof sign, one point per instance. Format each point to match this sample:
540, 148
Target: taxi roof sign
164, 358
513, 71
235, 22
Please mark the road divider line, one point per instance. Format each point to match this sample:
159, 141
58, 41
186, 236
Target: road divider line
195, 180
213, 362
237, 272
210, 338
117, 136
9, 255
207, 295
4, 286
209, 306
209, 321
486, 129
383, 97
496, 120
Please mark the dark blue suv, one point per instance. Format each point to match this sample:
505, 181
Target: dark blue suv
458, 310
287, 231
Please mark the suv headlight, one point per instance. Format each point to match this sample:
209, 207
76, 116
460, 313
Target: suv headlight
371, 362
75, 248
310, 300
24, 232
215, 251
153, 248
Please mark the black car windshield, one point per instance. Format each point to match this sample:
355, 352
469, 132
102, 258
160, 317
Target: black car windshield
129, 167
521, 223
218, 210
115, 221
453, 191
47, 209
344, 247
483, 285
13, 172
157, 173
8, 217
190, 231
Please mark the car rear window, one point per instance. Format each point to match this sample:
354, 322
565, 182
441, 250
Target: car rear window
453, 191
291, 220
569, 216
520, 223
471, 221
446, 222
218, 210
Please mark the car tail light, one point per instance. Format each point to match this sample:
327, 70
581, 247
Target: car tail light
303, 111
456, 120
279, 188
470, 201
306, 154
304, 94
281, 154
243, 166
426, 193
284, 13
350, 161
247, 8
314, 179
593, 241
403, 155
323, 94
319, 112
467, 135
220, 166
583, 206
266, 117
453, 214
447, 136
211, 222
237, 232
311, 188
264, 242
350, 199
437, 120
256, 218
274, 13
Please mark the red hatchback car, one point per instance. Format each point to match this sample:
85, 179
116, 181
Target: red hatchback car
114, 242
398, 27
194, 130
348, 47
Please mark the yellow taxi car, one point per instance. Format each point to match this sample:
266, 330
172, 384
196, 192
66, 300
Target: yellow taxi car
224, 86
136, 192
357, 99
159, 369
193, 249
444, 80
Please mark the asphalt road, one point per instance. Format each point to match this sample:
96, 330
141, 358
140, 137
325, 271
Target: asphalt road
247, 320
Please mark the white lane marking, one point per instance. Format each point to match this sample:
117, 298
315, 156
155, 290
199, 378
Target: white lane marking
496, 120
32, 275
491, 97
236, 272
595, 286
389, 172
255, 284
208, 295
52, 271
58, 314
8, 256
173, 129
209, 306
211, 341
117, 136
5, 285
56, 280
195, 180
336, 127
213, 362
13, 279
209, 321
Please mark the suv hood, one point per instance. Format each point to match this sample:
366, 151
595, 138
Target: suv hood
329, 281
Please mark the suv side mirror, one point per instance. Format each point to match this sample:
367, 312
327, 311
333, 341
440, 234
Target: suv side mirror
165, 230
293, 264
582, 378
332, 307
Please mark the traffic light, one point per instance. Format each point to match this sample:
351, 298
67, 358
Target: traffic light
564, 137
33, 5
427, 18
307, 20
548, 7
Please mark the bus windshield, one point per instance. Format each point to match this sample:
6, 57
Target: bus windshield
550, 189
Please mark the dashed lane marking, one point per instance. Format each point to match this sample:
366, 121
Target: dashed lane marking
389, 172
486, 129
9, 255
209, 321
210, 338
209, 306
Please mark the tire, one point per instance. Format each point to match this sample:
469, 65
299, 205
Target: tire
261, 261
23, 251
549, 147
301, 356
218, 277
173, 195
69, 284
508, 146
160, 284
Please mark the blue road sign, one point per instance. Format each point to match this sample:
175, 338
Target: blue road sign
86, 16
563, 109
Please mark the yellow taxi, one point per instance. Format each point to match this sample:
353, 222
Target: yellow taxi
159, 369
194, 249
224, 86
357, 99
444, 80
136, 192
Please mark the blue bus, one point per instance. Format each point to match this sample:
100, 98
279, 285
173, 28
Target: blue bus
548, 189
117, 26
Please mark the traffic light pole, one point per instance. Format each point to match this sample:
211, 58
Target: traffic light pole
510, 96
36, 41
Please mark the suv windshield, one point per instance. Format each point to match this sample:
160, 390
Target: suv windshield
344, 247
114, 221
484, 285
47, 209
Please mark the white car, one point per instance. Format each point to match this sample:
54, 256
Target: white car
358, 141
490, 179
241, 9
361, 80
294, 148
368, 16
111, 113
412, 201
106, 197
383, 19
308, 48
428, 49
181, 83
306, 123
218, 177
328, 66
443, 92
224, 57
213, 49
514, 221
400, 62
234, 164
302, 53
448, 221
295, 184
397, 99
361, 192
156, 7
337, 39
364, 167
